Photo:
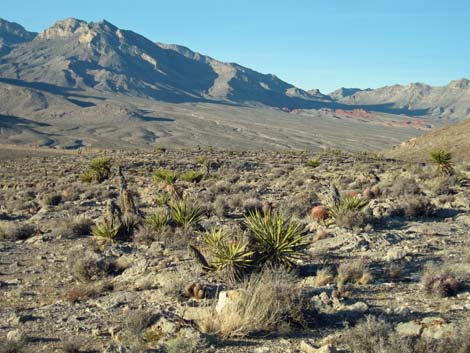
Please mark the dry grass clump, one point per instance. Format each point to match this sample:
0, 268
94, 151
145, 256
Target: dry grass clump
356, 271
324, 276
51, 200
87, 291
439, 283
266, 301
72, 346
405, 186
72, 227
16, 231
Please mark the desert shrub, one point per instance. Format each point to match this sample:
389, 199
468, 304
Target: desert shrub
72, 346
323, 276
266, 301
313, 163
88, 266
16, 231
10, 346
71, 227
192, 176
443, 185
137, 321
354, 271
220, 206
251, 205
86, 291
175, 283
179, 344
98, 171
375, 336
419, 206
231, 256
299, 205
443, 161
129, 223
439, 283
351, 219
186, 212
52, 200
403, 186
276, 240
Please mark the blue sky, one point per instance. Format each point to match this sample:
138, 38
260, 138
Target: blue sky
312, 44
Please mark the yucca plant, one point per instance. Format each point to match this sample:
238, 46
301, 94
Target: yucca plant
98, 170
192, 176
313, 163
443, 161
230, 256
168, 179
352, 203
186, 212
276, 240
106, 230
157, 220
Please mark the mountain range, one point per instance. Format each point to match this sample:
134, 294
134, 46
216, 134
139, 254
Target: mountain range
86, 73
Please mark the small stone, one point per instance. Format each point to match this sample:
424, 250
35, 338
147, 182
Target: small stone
226, 298
307, 347
15, 336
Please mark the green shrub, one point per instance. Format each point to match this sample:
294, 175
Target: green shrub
229, 255
106, 230
443, 161
313, 163
276, 240
168, 177
349, 203
98, 171
192, 176
157, 220
186, 212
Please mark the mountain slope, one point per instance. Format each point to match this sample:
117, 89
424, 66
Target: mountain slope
80, 55
454, 138
448, 102
12, 33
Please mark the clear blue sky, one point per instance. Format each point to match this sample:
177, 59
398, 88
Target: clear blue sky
312, 44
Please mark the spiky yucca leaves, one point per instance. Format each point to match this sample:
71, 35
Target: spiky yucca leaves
231, 256
276, 240
168, 179
443, 161
352, 203
157, 220
106, 230
192, 176
98, 171
186, 212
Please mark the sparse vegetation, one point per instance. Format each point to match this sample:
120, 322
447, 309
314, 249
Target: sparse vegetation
98, 171
276, 241
443, 160
186, 212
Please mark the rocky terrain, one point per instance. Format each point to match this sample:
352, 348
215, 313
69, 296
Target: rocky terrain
383, 262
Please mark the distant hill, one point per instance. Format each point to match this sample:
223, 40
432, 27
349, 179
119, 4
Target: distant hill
454, 138
450, 102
